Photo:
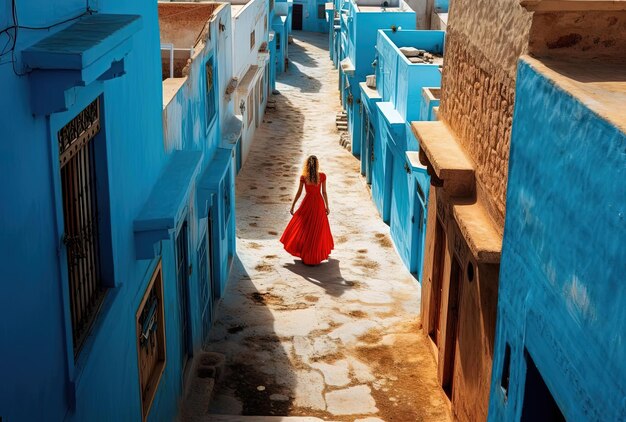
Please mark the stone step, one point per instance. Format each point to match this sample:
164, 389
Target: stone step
206, 372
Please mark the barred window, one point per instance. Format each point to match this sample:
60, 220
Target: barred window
81, 238
151, 340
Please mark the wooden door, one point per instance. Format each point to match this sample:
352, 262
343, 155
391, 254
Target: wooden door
452, 327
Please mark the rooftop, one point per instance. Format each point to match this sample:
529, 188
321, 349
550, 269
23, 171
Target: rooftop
182, 24
600, 85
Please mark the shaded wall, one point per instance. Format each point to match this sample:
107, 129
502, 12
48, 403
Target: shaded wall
41, 381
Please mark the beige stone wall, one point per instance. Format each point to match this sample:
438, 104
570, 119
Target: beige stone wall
484, 42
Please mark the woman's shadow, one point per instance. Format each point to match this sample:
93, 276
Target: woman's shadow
326, 275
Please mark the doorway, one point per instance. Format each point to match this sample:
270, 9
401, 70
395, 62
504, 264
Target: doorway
205, 282
296, 22
539, 404
434, 331
452, 329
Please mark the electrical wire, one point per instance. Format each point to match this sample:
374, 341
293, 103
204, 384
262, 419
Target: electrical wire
12, 38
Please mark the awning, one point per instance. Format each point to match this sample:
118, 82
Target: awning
90, 49
167, 203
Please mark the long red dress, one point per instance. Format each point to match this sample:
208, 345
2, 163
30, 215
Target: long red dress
308, 235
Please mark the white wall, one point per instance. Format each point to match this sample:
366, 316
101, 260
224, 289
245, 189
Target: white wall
252, 16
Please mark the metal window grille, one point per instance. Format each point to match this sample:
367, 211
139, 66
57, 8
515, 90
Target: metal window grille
204, 275
278, 41
182, 274
210, 92
80, 214
150, 323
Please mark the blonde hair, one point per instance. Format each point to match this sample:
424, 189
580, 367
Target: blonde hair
311, 170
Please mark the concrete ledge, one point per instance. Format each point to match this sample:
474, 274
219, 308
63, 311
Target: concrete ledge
440, 152
171, 86
347, 66
479, 232
572, 5
413, 159
370, 93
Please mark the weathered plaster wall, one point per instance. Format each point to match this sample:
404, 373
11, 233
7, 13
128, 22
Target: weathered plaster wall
584, 35
563, 260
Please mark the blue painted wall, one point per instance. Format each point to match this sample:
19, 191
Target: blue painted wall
310, 20
562, 291
394, 185
40, 378
359, 36
441, 6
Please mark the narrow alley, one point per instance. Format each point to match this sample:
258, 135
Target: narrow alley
340, 341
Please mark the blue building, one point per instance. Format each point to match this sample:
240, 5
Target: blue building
400, 185
309, 15
118, 223
558, 349
356, 53
281, 16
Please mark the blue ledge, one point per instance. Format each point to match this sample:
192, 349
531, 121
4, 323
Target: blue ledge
89, 50
393, 119
213, 176
167, 202
279, 20
231, 132
414, 162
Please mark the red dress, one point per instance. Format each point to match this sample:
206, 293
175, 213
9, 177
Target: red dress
308, 235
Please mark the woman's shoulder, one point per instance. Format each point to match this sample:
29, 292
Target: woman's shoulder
322, 176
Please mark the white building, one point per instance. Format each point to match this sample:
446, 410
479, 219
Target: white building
251, 64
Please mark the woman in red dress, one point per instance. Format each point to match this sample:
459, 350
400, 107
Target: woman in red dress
308, 235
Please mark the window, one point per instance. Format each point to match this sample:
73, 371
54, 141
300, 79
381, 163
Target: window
204, 276
151, 340
278, 41
261, 90
271, 5
211, 108
265, 23
321, 11
506, 370
77, 159
250, 107
182, 275
252, 39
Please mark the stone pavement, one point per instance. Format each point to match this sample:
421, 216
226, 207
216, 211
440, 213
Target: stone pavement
340, 341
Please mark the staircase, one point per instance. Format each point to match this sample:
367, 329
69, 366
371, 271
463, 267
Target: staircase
342, 126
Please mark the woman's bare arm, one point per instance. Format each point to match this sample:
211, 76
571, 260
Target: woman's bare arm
325, 195
295, 201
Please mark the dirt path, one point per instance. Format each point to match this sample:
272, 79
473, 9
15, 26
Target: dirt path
340, 341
